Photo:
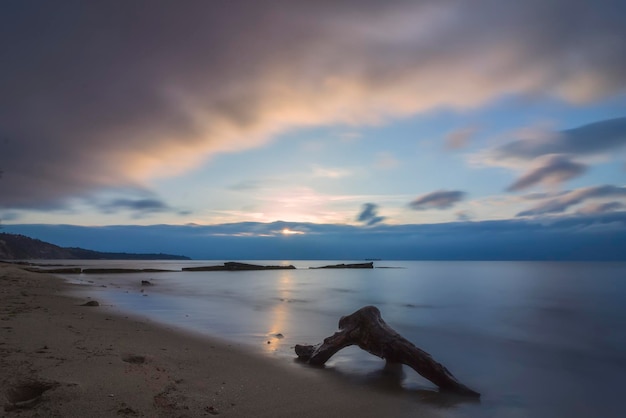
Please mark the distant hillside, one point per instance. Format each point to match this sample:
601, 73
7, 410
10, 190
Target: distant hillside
20, 247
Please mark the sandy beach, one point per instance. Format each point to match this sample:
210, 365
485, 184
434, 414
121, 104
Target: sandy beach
59, 358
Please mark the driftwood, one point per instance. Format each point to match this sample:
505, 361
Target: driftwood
367, 329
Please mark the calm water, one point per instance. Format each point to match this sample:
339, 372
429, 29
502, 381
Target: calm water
537, 339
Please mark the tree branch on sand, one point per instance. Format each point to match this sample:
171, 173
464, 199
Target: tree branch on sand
367, 329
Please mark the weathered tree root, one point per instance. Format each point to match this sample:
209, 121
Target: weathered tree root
367, 329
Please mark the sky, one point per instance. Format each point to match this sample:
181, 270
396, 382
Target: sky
294, 119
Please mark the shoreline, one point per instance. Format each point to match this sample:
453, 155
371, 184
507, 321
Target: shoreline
95, 362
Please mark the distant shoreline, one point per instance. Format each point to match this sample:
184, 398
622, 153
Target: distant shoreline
21, 247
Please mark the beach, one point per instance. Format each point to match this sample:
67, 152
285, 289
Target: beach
60, 358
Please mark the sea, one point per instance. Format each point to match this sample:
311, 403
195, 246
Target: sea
536, 339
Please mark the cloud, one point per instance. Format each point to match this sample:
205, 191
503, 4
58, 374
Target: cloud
592, 139
459, 138
150, 205
596, 208
463, 216
140, 207
89, 88
9, 216
552, 170
574, 197
572, 237
441, 199
369, 215
542, 195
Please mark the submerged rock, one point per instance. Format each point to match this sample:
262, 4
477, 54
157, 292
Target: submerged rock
235, 266
369, 265
121, 271
60, 270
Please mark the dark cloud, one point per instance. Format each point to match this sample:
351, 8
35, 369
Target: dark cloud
369, 214
574, 197
594, 138
552, 170
101, 94
542, 195
151, 205
140, 207
579, 237
441, 199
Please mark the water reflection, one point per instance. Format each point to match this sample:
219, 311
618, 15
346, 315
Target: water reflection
279, 312
390, 378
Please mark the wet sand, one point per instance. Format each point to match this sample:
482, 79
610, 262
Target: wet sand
59, 358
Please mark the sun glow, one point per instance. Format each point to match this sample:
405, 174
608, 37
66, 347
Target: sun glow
287, 231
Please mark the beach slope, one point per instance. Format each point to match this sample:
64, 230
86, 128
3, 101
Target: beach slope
59, 358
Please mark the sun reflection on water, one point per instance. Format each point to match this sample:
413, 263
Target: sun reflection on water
278, 316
